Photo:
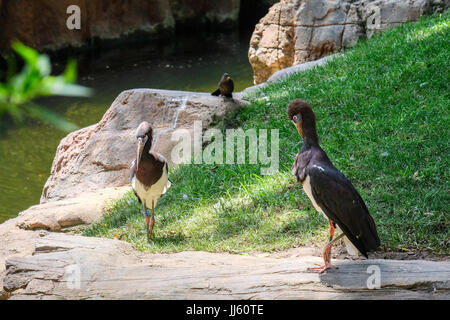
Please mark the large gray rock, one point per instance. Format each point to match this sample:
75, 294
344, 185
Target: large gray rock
99, 156
75, 267
297, 31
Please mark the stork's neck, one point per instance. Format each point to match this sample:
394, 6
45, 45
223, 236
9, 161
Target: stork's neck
310, 137
147, 147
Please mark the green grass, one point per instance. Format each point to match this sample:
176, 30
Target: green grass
383, 119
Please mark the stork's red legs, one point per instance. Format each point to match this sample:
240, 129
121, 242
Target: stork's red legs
331, 230
147, 225
150, 222
327, 252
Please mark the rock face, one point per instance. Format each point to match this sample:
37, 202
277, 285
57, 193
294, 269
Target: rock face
42, 24
286, 72
296, 31
18, 235
201, 12
69, 212
75, 267
99, 156
15, 242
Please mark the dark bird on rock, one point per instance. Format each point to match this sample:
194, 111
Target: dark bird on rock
330, 192
149, 174
226, 87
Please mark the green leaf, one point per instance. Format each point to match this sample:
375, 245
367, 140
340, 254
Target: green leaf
35, 81
28, 54
70, 74
70, 90
53, 118
44, 66
17, 84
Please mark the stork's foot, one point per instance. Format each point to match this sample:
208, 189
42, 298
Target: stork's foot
321, 268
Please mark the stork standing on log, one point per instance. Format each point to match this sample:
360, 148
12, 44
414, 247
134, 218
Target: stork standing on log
149, 175
330, 192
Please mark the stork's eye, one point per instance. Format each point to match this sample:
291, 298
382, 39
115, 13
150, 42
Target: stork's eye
296, 118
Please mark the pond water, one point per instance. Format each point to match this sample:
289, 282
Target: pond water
190, 64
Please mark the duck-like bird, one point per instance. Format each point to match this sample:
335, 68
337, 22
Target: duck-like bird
226, 86
330, 192
149, 174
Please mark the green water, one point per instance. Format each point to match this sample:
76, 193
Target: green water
191, 64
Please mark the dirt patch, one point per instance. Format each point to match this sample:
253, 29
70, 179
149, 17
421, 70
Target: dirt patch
410, 255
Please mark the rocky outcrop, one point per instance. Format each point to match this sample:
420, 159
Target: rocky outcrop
74, 267
297, 31
18, 235
286, 72
15, 242
81, 210
99, 156
42, 24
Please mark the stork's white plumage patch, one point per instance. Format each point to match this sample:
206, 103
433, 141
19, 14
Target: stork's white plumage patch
351, 249
319, 167
307, 188
147, 195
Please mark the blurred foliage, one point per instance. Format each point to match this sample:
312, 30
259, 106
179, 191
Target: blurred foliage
19, 90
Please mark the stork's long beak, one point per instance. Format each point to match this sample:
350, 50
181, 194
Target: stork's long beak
299, 127
140, 148
298, 124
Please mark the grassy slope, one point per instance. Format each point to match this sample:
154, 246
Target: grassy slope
383, 119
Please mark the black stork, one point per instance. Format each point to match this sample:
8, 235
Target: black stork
226, 86
330, 192
149, 174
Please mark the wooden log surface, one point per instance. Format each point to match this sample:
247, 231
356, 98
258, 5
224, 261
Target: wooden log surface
75, 267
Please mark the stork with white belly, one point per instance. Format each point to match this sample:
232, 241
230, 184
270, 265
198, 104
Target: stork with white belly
149, 175
330, 192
